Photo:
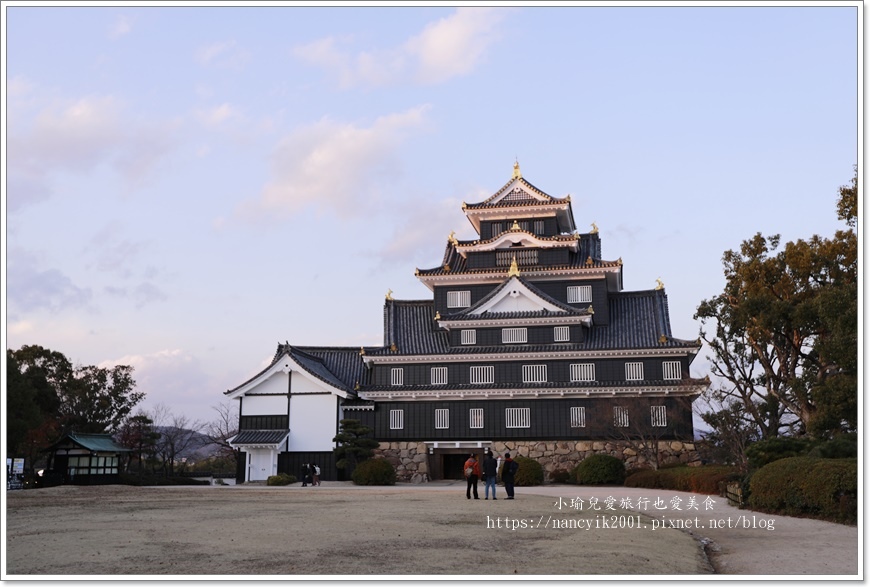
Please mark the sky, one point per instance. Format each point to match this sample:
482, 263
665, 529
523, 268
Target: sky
187, 187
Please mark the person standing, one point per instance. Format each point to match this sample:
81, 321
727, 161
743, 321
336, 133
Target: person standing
509, 470
490, 474
304, 474
472, 474
315, 471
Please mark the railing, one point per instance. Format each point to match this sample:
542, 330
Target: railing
524, 257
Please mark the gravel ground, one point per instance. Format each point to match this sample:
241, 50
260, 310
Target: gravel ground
409, 531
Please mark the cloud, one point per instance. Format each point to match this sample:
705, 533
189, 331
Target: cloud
447, 48
77, 136
213, 117
222, 55
29, 288
331, 165
433, 222
173, 377
121, 27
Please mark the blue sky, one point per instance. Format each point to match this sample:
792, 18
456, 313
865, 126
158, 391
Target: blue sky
187, 187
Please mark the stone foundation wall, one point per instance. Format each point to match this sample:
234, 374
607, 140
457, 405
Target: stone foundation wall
410, 459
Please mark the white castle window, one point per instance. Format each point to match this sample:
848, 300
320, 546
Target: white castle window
442, 419
458, 299
534, 373
517, 418
475, 418
514, 335
397, 419
578, 417
620, 417
468, 336
397, 376
439, 375
671, 370
482, 374
583, 372
658, 415
634, 371
579, 294
561, 334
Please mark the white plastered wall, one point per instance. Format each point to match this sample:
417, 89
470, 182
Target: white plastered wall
312, 422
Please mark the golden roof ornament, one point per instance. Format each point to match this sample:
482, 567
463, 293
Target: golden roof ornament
590, 310
619, 261
659, 284
452, 239
515, 226
514, 270
446, 268
594, 228
362, 351
589, 261
517, 173
389, 295
393, 347
663, 339
437, 315
356, 386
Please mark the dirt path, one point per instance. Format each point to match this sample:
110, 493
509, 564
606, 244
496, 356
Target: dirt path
341, 529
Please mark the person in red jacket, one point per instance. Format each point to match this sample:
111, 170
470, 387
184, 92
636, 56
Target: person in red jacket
471, 469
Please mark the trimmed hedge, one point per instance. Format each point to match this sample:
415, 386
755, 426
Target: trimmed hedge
374, 472
709, 479
599, 470
281, 479
560, 476
530, 472
808, 486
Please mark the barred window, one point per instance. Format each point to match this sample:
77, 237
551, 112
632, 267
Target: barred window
534, 373
397, 376
579, 294
620, 417
658, 415
583, 372
517, 418
496, 229
397, 419
442, 419
634, 371
439, 375
539, 227
517, 194
482, 374
468, 337
578, 417
475, 418
514, 335
671, 370
561, 334
458, 299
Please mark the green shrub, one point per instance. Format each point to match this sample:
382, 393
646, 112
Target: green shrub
599, 470
767, 451
560, 476
374, 472
530, 472
709, 479
281, 479
843, 446
808, 486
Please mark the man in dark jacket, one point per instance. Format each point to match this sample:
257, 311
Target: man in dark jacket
508, 470
490, 473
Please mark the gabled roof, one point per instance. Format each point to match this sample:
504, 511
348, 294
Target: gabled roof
525, 298
93, 442
266, 438
516, 185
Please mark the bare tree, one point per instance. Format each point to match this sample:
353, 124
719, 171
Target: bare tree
224, 426
178, 434
641, 425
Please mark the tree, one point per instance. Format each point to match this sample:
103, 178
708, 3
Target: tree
138, 434
353, 444
222, 428
98, 400
177, 435
786, 328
